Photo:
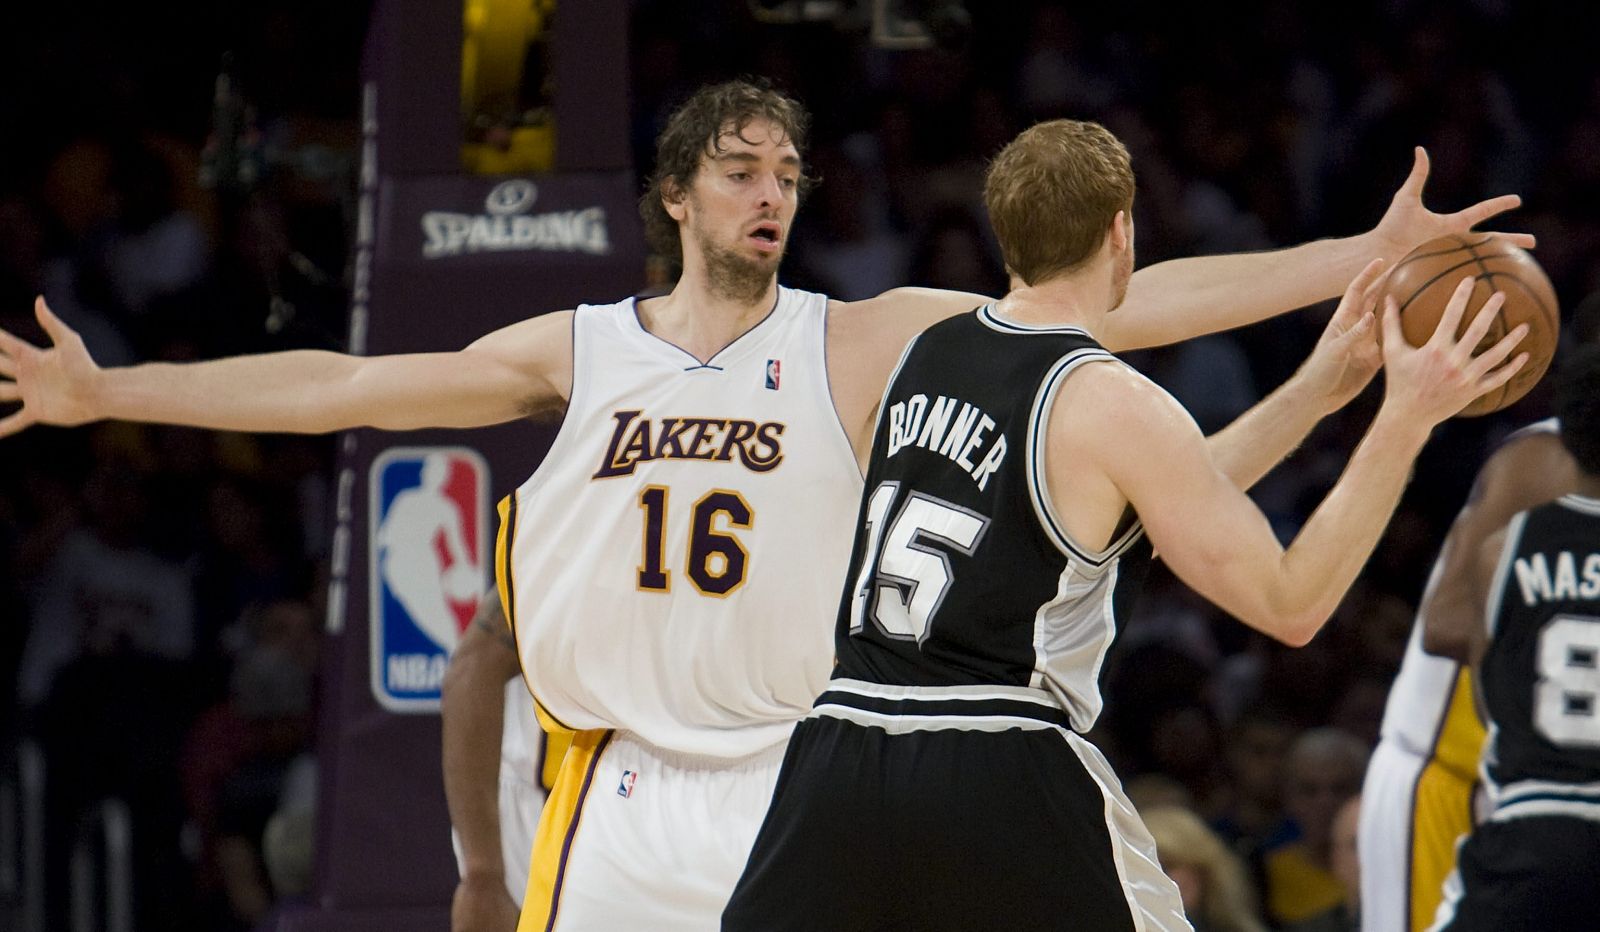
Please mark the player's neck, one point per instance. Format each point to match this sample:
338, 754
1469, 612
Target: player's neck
703, 319
1074, 300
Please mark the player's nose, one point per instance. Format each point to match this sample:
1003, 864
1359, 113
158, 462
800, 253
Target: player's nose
769, 192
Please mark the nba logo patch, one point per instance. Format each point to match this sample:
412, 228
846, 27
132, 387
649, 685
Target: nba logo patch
428, 556
625, 788
773, 365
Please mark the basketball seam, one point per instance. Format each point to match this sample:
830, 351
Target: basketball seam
1430, 282
1443, 252
1544, 310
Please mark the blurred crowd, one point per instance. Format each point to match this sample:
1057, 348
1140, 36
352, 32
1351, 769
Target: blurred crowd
159, 586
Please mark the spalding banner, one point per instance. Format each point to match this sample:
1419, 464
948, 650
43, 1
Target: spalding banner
456, 218
429, 530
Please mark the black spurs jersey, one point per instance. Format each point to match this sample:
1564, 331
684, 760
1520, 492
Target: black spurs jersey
1541, 673
960, 575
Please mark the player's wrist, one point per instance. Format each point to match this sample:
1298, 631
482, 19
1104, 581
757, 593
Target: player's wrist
483, 873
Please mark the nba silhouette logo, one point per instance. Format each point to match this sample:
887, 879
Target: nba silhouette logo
773, 365
427, 553
625, 788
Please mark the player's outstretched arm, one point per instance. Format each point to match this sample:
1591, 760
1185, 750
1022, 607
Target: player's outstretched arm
1529, 470
1211, 536
517, 370
473, 714
1341, 364
1183, 298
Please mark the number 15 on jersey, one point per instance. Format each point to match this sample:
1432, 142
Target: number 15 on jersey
904, 576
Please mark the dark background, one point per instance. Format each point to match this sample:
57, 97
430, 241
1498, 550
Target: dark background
161, 589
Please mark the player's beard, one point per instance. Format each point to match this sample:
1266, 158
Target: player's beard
734, 276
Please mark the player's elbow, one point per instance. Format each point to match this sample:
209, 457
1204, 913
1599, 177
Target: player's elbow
1288, 623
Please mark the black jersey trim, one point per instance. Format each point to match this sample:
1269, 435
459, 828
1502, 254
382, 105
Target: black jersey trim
1038, 491
993, 321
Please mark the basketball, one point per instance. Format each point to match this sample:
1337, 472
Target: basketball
1422, 282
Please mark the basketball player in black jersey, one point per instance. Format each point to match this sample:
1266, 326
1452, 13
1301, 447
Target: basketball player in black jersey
1536, 653
1020, 475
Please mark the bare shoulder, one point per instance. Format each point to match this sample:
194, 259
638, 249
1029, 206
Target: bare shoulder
1109, 398
865, 340
902, 312
538, 347
1108, 417
1527, 470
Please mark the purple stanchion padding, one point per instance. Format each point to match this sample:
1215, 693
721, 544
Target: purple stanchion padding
442, 258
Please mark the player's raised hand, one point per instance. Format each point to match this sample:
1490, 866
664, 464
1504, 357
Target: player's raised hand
1436, 380
1408, 224
55, 384
1346, 355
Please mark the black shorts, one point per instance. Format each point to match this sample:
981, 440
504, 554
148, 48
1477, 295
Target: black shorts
881, 822
1530, 874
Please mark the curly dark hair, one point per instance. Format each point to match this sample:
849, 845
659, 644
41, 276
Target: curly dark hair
696, 129
1578, 407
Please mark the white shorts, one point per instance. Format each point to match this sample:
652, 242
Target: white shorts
1413, 810
520, 805
635, 837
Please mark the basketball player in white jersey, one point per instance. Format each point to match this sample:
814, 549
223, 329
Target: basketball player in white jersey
498, 769
688, 531
1418, 796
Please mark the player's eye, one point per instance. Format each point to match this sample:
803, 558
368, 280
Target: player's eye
789, 184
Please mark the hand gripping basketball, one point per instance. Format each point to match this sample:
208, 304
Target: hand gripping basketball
1436, 380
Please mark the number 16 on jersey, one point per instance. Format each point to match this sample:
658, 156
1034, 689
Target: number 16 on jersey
716, 562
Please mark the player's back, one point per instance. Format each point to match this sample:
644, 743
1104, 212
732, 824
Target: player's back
961, 574
673, 563
1540, 674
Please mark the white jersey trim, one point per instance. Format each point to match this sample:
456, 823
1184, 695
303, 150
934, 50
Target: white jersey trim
944, 693
1547, 807
992, 320
1039, 492
1581, 504
902, 724
1497, 586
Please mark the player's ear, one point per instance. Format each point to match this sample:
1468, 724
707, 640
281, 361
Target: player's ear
1121, 233
672, 198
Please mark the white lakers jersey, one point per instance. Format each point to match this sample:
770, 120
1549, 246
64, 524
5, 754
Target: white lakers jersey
674, 566
1430, 710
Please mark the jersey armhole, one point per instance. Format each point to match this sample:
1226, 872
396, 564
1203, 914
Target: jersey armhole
1497, 586
1038, 487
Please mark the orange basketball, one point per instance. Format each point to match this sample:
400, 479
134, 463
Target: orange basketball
1423, 281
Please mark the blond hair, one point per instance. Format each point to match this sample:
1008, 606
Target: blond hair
1052, 193
1181, 838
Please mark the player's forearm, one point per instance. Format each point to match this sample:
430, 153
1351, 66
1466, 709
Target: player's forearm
1336, 542
301, 391
1184, 298
1259, 439
473, 717
314, 391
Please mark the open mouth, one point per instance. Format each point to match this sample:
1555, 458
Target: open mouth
766, 235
